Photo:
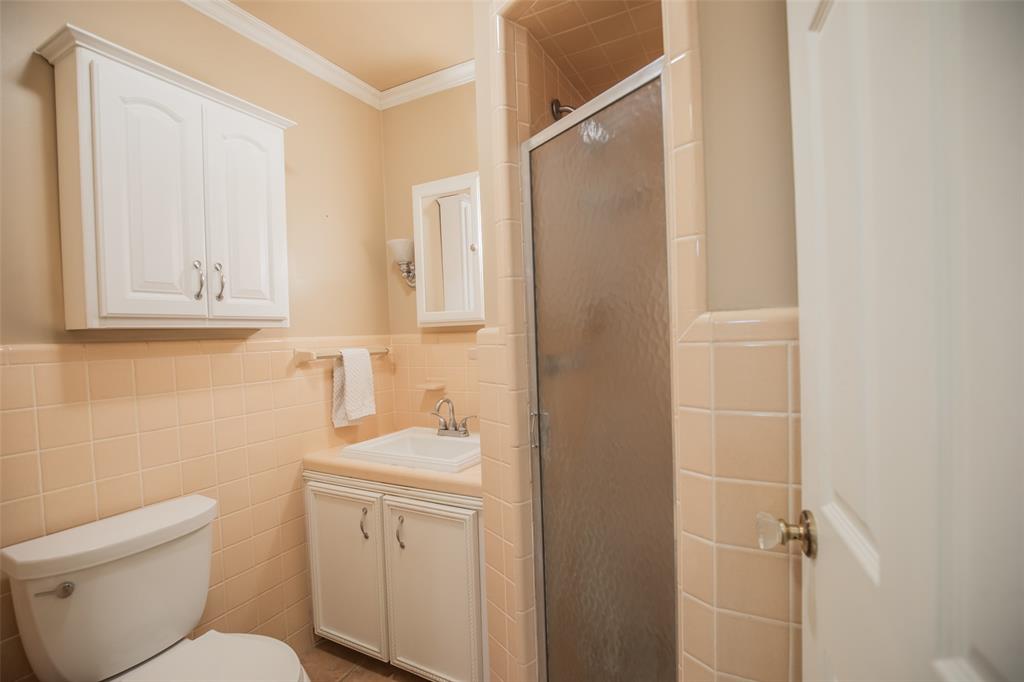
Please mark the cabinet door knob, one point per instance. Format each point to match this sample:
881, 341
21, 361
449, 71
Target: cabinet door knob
223, 280
772, 532
362, 524
198, 265
398, 532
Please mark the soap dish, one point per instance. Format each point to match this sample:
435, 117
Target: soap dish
431, 385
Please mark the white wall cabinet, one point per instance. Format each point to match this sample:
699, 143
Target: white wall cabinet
172, 196
245, 216
416, 577
150, 220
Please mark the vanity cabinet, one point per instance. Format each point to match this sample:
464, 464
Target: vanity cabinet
171, 195
346, 548
433, 569
396, 574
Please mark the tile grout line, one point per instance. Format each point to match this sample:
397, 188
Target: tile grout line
714, 500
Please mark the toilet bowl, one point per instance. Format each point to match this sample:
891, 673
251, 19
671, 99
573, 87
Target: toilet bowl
220, 657
116, 599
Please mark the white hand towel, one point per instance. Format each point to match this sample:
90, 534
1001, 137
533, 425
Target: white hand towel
353, 387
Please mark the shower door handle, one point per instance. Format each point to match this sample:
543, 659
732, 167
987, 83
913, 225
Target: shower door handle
538, 428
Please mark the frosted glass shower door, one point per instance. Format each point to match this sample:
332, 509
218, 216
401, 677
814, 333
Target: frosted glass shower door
601, 322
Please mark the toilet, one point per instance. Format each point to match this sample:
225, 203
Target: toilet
116, 599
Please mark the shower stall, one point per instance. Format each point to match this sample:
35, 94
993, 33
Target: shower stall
601, 418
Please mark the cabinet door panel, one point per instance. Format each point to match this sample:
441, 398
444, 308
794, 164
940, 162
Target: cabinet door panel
149, 197
433, 583
246, 216
347, 567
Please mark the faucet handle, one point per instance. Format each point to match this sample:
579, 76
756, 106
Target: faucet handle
464, 424
442, 423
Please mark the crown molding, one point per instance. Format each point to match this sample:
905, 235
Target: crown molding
452, 77
68, 37
265, 35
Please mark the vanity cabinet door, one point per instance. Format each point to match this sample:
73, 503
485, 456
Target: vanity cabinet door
433, 584
347, 567
245, 216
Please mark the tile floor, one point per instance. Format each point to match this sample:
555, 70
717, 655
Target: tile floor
330, 662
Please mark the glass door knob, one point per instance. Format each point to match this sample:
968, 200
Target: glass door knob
772, 532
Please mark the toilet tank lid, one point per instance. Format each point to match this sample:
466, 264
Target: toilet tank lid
107, 540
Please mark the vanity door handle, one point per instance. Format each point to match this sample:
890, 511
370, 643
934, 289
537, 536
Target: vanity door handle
198, 265
398, 532
223, 280
362, 524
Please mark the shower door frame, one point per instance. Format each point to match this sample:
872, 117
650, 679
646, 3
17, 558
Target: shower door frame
613, 94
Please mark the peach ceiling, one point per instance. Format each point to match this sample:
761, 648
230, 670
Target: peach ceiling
382, 42
596, 43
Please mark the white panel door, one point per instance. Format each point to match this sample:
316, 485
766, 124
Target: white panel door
245, 216
347, 567
908, 130
149, 211
433, 584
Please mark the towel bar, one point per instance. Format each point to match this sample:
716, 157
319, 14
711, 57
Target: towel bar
309, 355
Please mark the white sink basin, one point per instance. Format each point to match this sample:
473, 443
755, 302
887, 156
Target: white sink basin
419, 448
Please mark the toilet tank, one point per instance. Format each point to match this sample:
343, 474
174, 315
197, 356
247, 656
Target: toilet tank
139, 585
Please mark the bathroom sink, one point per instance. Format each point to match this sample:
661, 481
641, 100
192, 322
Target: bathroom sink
419, 448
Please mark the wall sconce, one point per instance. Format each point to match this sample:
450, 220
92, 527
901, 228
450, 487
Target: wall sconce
402, 254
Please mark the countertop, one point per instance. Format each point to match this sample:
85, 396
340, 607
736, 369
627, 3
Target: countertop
330, 461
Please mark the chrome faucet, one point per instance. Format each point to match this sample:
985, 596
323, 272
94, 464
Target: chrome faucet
450, 426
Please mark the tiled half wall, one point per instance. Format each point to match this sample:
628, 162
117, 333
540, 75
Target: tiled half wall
738, 451
92, 430
512, 615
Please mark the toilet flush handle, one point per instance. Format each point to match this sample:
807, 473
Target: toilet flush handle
62, 591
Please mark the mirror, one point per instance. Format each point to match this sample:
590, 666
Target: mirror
449, 258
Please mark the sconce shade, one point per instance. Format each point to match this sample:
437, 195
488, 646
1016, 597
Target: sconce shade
400, 250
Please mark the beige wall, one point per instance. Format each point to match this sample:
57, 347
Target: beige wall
332, 158
748, 155
427, 139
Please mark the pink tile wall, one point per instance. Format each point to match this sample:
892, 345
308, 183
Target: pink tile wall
508, 509
92, 430
738, 450
735, 388
431, 358
538, 81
